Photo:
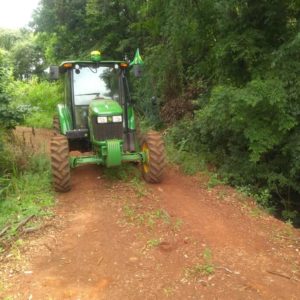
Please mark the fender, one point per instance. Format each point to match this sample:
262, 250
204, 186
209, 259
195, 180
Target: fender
65, 119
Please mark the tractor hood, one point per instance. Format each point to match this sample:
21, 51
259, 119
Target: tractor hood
107, 107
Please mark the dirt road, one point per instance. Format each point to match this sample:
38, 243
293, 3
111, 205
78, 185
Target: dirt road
122, 239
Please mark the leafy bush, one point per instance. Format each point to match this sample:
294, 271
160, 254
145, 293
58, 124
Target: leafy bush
39, 119
8, 117
37, 99
252, 135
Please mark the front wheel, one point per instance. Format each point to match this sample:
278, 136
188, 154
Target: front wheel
154, 150
56, 125
60, 165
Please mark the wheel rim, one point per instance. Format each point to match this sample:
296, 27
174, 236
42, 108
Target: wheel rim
145, 149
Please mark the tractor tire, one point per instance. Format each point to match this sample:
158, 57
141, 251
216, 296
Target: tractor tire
56, 125
61, 173
153, 145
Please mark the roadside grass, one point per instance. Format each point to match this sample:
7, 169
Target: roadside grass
286, 233
192, 164
189, 163
26, 195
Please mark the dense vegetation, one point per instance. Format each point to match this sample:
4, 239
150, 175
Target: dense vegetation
25, 181
222, 74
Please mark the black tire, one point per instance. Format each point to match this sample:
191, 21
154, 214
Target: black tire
60, 165
153, 145
56, 125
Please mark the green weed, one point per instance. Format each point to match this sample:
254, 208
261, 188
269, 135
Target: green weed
153, 243
177, 225
190, 163
214, 180
139, 187
204, 269
168, 291
256, 212
151, 217
129, 213
148, 218
262, 197
125, 172
199, 270
289, 215
222, 195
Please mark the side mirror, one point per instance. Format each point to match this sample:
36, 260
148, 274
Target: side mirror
137, 70
53, 72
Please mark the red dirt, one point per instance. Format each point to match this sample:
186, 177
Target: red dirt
120, 239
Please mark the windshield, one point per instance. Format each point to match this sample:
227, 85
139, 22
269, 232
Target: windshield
91, 83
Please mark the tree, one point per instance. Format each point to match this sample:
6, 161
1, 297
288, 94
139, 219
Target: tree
8, 117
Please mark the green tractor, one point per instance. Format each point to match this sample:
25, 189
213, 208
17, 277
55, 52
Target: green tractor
96, 123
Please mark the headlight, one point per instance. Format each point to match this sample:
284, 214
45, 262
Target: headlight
101, 120
117, 119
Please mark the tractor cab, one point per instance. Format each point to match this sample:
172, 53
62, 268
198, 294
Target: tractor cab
95, 98
91, 83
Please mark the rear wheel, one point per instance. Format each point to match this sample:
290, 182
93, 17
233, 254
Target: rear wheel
61, 173
153, 147
55, 124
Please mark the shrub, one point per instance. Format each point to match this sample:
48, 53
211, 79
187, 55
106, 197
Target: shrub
37, 99
252, 135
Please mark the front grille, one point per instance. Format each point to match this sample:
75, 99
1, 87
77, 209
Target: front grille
107, 131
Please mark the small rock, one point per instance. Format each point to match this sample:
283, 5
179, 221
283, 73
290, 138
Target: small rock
133, 259
28, 272
165, 246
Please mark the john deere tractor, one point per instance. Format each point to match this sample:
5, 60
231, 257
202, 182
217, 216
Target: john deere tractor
96, 122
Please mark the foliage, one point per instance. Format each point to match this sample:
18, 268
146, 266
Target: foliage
37, 99
27, 58
23, 53
8, 117
8, 38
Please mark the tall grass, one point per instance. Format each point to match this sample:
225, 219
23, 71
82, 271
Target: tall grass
25, 185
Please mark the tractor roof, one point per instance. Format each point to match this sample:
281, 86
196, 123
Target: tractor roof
71, 63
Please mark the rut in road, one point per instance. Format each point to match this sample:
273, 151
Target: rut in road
123, 239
